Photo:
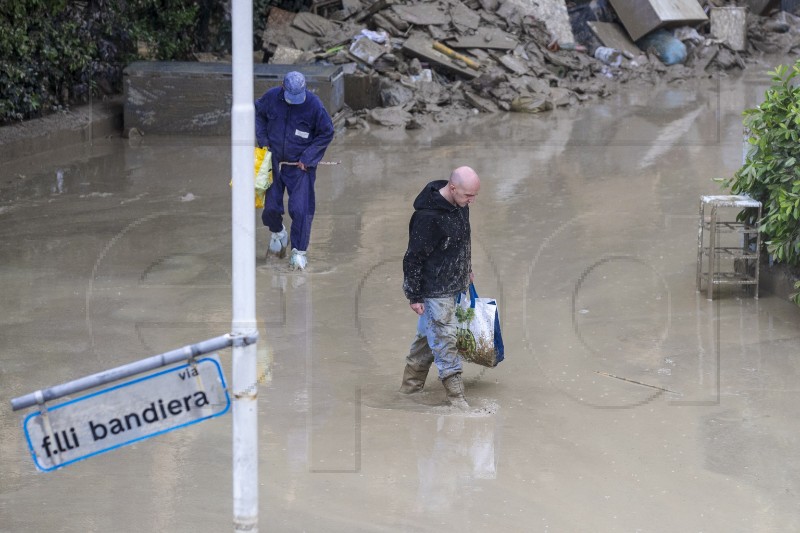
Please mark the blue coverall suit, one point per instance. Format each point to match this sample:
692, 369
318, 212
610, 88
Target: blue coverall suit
293, 132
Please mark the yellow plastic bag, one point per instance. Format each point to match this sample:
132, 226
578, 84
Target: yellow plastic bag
263, 171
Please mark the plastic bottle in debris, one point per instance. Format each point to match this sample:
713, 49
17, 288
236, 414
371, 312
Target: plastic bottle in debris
609, 56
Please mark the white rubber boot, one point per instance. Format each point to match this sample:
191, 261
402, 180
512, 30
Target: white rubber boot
298, 260
278, 243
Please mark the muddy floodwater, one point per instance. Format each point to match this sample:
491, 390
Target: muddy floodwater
627, 400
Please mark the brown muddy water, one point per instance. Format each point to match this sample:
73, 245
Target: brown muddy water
627, 401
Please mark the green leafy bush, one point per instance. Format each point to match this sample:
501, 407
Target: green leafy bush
165, 27
46, 55
771, 173
56, 53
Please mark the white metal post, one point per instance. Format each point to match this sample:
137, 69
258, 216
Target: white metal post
245, 385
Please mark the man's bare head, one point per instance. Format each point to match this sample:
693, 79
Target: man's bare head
463, 186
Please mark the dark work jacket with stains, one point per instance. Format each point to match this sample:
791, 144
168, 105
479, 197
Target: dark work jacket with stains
439, 255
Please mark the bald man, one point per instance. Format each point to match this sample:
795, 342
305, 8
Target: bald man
437, 267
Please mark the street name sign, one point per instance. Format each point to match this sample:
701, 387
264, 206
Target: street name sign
127, 413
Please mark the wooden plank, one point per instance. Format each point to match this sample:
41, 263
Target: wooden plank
613, 35
640, 17
421, 46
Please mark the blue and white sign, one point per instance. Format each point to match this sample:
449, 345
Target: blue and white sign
127, 413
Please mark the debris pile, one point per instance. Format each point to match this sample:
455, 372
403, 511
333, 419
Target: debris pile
445, 60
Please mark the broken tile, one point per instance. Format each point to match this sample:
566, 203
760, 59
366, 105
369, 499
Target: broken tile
422, 14
463, 18
488, 38
514, 64
367, 50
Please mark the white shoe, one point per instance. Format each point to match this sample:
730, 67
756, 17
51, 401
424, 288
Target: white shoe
298, 260
278, 243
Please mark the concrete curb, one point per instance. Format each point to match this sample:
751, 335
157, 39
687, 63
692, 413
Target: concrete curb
76, 126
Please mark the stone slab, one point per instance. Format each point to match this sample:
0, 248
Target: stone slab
554, 14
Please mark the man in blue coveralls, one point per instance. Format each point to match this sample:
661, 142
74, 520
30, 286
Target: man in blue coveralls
292, 122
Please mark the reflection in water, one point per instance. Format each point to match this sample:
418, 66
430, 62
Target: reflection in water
59, 186
463, 450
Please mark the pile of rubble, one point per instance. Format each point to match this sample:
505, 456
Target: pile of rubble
445, 60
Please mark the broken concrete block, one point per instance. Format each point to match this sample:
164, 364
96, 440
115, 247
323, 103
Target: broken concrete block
275, 32
284, 55
559, 96
481, 104
553, 13
537, 85
394, 94
367, 50
431, 92
389, 116
510, 12
729, 24
514, 64
488, 80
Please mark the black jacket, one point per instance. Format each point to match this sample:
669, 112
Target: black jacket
439, 255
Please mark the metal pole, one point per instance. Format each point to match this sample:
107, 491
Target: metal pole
124, 371
245, 385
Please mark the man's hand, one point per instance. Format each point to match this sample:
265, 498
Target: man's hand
301, 165
471, 277
418, 308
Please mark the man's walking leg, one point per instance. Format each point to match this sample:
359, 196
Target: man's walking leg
302, 205
418, 361
272, 217
441, 333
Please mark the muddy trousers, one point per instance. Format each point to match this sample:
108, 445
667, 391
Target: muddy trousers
436, 338
302, 203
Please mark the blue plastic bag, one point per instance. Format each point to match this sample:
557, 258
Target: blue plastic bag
669, 49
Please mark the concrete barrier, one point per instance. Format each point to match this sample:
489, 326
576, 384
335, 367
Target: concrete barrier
194, 98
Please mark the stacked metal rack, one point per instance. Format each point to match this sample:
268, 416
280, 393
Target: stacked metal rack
727, 248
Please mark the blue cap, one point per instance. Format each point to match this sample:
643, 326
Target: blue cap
294, 87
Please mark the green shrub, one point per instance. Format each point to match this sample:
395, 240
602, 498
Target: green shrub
165, 27
45, 60
56, 53
771, 173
